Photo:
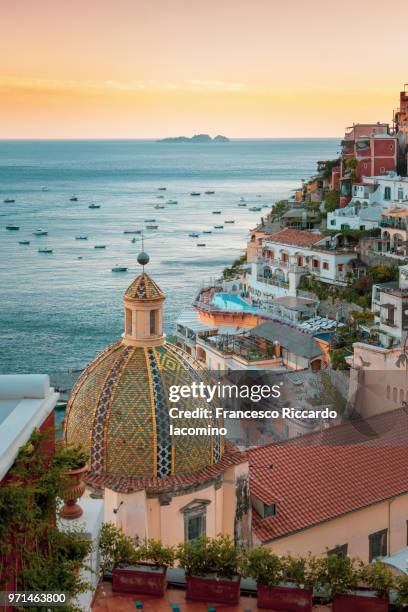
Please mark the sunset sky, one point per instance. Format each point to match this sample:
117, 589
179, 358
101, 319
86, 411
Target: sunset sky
152, 68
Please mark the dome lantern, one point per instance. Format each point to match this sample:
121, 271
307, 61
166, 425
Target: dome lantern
143, 303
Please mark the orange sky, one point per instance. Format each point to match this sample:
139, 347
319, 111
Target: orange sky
150, 68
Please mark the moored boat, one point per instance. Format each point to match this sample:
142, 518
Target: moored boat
12, 227
9, 201
162, 188
94, 206
229, 221
201, 244
100, 246
40, 232
255, 208
218, 227
81, 237
207, 232
149, 220
242, 204
194, 234
45, 250
152, 227
195, 193
119, 269
159, 206
24, 242
73, 199
216, 212
132, 231
172, 202
209, 192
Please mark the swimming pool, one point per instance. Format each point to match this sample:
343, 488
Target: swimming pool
229, 301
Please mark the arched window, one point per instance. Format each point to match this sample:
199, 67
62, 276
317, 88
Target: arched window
128, 321
394, 394
153, 322
388, 392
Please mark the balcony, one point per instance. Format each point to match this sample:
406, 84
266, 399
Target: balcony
272, 281
278, 263
394, 224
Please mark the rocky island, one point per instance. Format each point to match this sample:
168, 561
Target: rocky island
200, 138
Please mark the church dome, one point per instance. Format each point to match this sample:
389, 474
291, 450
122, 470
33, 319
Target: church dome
119, 407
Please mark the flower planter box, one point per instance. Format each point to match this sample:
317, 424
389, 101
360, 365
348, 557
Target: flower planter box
213, 590
146, 579
359, 603
288, 598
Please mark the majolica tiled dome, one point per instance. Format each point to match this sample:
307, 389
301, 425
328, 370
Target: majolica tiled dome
119, 407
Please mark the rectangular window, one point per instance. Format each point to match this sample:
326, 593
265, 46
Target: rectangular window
400, 194
325, 265
194, 525
378, 544
269, 510
387, 193
339, 551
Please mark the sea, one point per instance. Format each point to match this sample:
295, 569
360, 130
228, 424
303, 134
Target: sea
58, 310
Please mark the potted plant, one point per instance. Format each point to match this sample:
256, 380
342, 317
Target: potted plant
346, 575
212, 569
147, 574
282, 583
402, 592
73, 460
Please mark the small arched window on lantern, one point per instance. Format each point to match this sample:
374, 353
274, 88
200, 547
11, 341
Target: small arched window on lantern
153, 322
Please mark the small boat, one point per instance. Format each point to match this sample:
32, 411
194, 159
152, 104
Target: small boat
40, 232
24, 242
207, 232
242, 199
44, 188
9, 201
100, 246
218, 227
242, 204
194, 235
201, 244
152, 226
80, 257
209, 192
134, 240
162, 188
195, 193
149, 220
160, 197
94, 206
229, 221
12, 228
216, 212
132, 232
119, 269
81, 237
45, 250
255, 208
172, 202
73, 199
259, 195
159, 206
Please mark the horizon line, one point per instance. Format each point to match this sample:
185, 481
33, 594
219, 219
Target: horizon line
156, 139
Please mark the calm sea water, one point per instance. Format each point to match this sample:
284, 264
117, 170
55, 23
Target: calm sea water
58, 311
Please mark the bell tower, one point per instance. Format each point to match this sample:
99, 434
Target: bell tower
143, 303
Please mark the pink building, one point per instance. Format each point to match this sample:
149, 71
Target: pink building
375, 150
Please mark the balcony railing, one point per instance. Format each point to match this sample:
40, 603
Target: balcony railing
394, 224
278, 263
272, 281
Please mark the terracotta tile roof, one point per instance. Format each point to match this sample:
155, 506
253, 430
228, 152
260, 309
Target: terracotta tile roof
231, 457
296, 237
318, 477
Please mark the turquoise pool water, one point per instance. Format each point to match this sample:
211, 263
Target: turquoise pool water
228, 301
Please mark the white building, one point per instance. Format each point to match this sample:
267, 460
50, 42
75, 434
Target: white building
390, 308
369, 199
289, 254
